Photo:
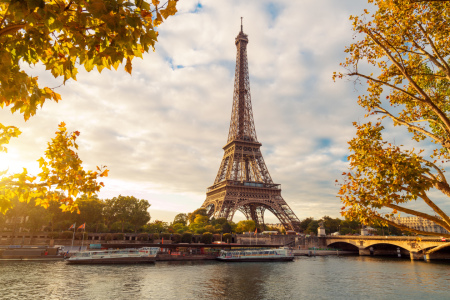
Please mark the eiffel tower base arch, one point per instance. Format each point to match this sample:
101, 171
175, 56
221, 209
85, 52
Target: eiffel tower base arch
225, 201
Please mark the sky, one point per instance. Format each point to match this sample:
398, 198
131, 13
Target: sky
161, 130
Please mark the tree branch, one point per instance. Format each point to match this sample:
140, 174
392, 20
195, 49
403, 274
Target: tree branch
416, 128
427, 99
439, 211
429, 163
11, 28
419, 214
4, 17
386, 83
443, 64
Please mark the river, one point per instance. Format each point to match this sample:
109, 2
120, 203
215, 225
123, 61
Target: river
354, 277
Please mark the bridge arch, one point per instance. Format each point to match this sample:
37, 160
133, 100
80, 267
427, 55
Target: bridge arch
345, 246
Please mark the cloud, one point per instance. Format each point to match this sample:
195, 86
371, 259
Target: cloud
161, 130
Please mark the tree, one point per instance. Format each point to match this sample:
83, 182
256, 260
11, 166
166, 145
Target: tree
226, 227
331, 225
61, 169
246, 226
199, 223
312, 227
127, 209
91, 211
304, 223
61, 35
407, 48
186, 237
157, 226
207, 238
193, 215
181, 218
139, 213
227, 237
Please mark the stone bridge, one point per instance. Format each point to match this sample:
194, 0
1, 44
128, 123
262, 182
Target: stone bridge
401, 246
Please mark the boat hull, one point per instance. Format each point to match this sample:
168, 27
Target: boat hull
113, 260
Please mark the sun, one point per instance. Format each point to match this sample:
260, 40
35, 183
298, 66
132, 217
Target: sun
10, 162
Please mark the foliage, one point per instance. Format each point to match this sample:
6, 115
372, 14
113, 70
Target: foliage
226, 227
331, 225
245, 226
91, 212
156, 227
128, 209
79, 235
407, 48
53, 235
108, 237
181, 219
207, 238
62, 35
227, 237
118, 236
179, 227
195, 213
66, 235
154, 236
176, 237
210, 228
186, 237
165, 235
61, 169
142, 237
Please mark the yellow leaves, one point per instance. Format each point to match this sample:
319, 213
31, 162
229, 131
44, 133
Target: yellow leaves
128, 66
104, 173
158, 20
170, 10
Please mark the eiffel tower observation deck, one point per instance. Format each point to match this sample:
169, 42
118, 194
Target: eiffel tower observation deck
243, 182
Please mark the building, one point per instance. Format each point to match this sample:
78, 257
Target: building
419, 223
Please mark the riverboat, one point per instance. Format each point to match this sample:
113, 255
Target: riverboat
118, 256
281, 254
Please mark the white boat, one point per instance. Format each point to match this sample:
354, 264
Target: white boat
280, 254
118, 256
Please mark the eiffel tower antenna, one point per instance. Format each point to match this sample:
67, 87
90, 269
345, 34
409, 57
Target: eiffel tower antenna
242, 27
243, 182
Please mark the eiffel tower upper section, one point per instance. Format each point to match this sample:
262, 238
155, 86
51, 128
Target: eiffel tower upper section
242, 126
244, 162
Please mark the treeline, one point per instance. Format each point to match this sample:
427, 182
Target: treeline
127, 214
310, 226
119, 214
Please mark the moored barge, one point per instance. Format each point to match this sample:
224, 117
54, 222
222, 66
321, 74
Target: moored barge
258, 255
117, 256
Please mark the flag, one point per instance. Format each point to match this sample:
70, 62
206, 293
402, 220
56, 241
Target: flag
72, 226
256, 230
82, 226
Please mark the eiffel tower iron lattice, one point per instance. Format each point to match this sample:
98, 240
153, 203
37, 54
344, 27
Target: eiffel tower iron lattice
243, 182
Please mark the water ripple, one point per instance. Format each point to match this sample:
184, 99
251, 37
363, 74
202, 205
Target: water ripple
305, 278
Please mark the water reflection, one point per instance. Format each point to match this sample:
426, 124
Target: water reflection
305, 278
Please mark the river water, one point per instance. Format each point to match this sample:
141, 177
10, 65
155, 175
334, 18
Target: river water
329, 277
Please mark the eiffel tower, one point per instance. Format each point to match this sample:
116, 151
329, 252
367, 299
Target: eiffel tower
243, 182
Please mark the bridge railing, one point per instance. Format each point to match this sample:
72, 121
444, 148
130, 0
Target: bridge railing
383, 237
